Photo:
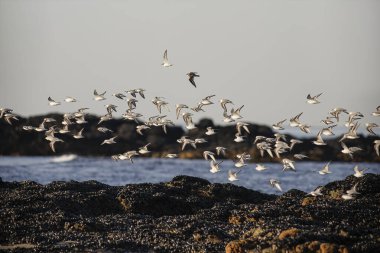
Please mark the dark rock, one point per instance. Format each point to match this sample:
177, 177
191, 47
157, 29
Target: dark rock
187, 214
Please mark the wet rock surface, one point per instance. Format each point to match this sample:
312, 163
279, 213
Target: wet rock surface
187, 214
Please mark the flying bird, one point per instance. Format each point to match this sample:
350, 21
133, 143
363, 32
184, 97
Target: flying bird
233, 175
70, 100
214, 166
313, 99
53, 102
325, 170
191, 76
165, 62
99, 97
275, 183
316, 192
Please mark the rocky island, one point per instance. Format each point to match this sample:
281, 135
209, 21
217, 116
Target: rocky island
15, 141
187, 214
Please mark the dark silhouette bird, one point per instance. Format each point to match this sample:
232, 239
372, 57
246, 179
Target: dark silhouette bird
191, 76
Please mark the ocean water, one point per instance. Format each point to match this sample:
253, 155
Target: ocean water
103, 169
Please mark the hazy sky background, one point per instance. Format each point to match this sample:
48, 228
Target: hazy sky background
267, 55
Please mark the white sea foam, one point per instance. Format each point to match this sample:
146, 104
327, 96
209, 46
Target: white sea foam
64, 158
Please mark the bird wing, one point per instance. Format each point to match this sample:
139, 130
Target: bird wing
191, 79
51, 144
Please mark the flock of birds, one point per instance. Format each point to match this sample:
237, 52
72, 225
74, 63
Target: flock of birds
272, 146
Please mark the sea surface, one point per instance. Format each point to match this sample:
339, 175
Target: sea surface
153, 170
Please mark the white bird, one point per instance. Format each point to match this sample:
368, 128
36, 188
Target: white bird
221, 150
110, 108
210, 131
80, 112
300, 156
223, 103
242, 126
288, 164
3, 111
28, 128
376, 145
214, 166
165, 62
353, 190
328, 130
79, 135
349, 150
144, 150
70, 100
358, 173
141, 92
187, 118
239, 138
50, 137
188, 142
370, 126
351, 193
348, 196
352, 132
178, 109
132, 103
325, 170
293, 142
159, 103
275, 183
207, 154
319, 141
337, 111
207, 100
99, 97
313, 99
104, 118
328, 121
109, 141
198, 108
304, 128
140, 128
240, 163
295, 121
171, 156
128, 155
119, 95
52, 102
53, 140
235, 114
232, 175
316, 192
278, 125
200, 140
227, 118
64, 130
377, 112
260, 167
130, 115
80, 120
104, 130
9, 116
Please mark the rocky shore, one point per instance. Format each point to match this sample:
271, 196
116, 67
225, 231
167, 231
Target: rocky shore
187, 214
14, 141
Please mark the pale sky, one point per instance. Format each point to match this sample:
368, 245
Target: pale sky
267, 55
